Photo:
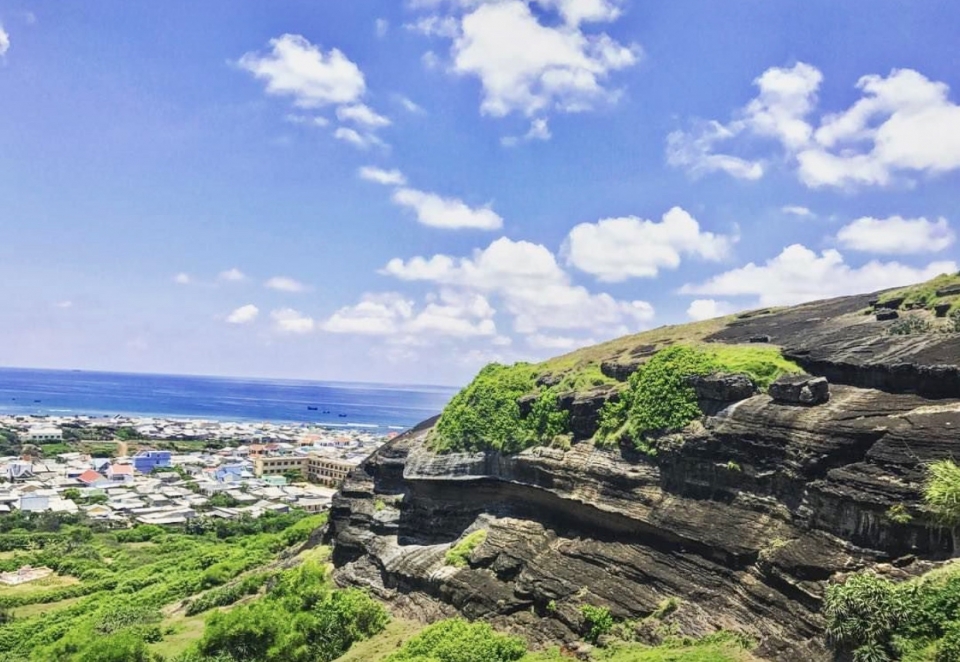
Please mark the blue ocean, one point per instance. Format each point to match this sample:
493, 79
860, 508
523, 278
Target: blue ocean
67, 393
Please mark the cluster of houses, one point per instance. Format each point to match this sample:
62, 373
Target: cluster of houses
161, 487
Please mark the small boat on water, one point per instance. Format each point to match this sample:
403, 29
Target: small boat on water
311, 408
342, 415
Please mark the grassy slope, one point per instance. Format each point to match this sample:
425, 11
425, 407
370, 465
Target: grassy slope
376, 648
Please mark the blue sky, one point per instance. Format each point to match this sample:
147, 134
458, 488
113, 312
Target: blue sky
404, 191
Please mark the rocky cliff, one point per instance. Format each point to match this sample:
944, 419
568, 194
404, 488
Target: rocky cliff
741, 518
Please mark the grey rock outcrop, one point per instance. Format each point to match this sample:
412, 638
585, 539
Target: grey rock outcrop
800, 390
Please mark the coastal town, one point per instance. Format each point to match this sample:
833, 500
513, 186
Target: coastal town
124, 470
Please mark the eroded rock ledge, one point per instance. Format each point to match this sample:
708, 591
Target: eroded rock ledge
744, 517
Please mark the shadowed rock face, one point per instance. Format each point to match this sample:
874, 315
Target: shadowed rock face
744, 517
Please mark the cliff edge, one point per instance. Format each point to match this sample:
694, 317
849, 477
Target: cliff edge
737, 521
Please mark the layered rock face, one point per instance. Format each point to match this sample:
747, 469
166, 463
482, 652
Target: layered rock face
743, 517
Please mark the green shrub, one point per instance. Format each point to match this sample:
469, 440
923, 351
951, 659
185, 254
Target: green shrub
459, 555
941, 492
597, 622
863, 614
456, 640
910, 325
659, 398
486, 414
899, 514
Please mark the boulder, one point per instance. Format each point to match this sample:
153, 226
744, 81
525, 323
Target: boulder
619, 370
760, 338
891, 304
800, 390
949, 290
941, 309
885, 315
722, 387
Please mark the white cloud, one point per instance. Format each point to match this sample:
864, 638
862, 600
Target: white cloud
376, 314
797, 210
380, 176
903, 123
243, 314
408, 104
288, 320
381, 26
450, 213
430, 60
435, 26
295, 67
357, 139
615, 249
450, 314
705, 309
64, 304
539, 130
4, 41
798, 274
285, 284
693, 151
557, 343
896, 235
362, 115
182, 279
575, 12
312, 120
533, 288
786, 97
528, 67
231, 276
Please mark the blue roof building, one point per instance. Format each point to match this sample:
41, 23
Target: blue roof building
146, 461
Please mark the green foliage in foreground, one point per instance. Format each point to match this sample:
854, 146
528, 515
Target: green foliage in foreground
122, 583
456, 640
486, 414
877, 620
459, 555
659, 399
697, 652
598, 622
301, 619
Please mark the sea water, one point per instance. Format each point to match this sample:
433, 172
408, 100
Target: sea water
71, 393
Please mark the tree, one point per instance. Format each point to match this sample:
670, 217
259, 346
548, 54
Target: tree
72, 493
941, 492
293, 476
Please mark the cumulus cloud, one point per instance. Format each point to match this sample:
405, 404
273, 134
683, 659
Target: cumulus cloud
380, 176
408, 104
529, 62
799, 274
449, 314
231, 276
357, 139
615, 249
705, 309
288, 320
294, 67
539, 130
285, 284
4, 41
381, 26
557, 343
531, 285
362, 115
797, 210
449, 213
182, 279
903, 123
310, 120
896, 235
243, 314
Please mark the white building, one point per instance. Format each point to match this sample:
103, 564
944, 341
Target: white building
44, 434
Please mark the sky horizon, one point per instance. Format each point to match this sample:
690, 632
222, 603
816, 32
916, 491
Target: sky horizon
402, 192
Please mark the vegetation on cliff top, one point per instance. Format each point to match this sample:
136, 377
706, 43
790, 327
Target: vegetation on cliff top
659, 398
487, 414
